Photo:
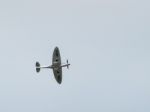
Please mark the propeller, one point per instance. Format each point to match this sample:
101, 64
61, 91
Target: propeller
67, 65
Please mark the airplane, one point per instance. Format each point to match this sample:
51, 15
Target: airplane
56, 65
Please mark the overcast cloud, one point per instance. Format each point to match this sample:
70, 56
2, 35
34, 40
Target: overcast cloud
107, 43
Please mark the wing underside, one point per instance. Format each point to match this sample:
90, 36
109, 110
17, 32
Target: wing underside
57, 70
58, 75
56, 56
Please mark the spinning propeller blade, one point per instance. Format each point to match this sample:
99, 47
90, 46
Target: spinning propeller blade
67, 65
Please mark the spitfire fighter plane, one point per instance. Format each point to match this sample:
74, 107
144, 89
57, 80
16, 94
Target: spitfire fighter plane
56, 65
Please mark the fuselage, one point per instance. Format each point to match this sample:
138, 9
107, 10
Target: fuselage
56, 65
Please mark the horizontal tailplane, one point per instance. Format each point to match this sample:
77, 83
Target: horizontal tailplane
37, 67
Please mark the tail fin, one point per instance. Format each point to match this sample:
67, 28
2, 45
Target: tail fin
37, 67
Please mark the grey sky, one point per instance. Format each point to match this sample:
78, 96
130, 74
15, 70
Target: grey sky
106, 42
